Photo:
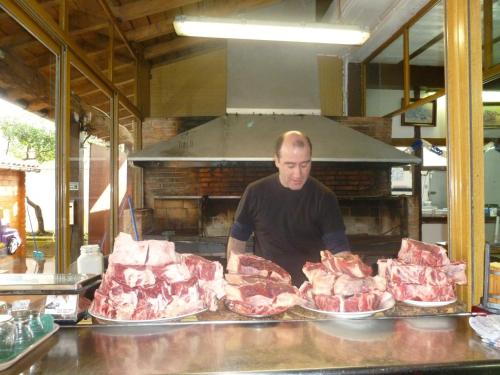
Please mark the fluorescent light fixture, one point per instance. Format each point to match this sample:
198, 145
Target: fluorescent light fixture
210, 27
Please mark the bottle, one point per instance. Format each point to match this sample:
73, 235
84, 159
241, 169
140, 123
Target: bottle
91, 260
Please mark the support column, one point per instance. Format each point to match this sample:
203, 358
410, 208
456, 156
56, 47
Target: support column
465, 140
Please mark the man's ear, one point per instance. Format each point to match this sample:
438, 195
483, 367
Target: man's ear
276, 160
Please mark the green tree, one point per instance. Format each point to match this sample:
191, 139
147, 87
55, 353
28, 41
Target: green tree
27, 141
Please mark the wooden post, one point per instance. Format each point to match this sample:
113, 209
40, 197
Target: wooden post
465, 141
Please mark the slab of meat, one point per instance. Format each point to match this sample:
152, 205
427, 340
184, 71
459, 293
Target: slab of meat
345, 263
347, 285
422, 272
252, 265
141, 253
341, 283
264, 297
258, 287
210, 276
398, 272
148, 280
422, 292
355, 303
425, 254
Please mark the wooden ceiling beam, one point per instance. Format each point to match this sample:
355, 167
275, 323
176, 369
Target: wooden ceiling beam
145, 8
176, 44
166, 27
117, 27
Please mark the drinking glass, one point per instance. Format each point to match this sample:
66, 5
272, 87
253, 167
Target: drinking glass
36, 324
23, 332
7, 336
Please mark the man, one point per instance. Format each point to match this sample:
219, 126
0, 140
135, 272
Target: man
293, 216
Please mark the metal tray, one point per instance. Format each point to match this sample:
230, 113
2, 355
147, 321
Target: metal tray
25, 283
4, 365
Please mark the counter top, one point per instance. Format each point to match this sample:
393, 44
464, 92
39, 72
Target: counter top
389, 345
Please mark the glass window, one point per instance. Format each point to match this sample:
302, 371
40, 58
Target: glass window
90, 157
128, 173
384, 80
27, 151
496, 32
426, 53
89, 28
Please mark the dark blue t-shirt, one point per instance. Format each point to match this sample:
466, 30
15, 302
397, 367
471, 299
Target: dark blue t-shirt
290, 226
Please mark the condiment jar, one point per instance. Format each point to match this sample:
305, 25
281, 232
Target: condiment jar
7, 336
91, 260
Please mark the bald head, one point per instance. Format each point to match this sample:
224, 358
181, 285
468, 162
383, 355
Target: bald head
292, 139
293, 159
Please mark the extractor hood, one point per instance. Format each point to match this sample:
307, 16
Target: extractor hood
251, 138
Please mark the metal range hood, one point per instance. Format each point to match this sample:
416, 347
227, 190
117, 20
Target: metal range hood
251, 138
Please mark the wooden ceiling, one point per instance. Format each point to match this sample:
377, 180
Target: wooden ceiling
136, 29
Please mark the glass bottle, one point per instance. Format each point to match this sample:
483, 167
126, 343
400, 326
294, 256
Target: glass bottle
7, 337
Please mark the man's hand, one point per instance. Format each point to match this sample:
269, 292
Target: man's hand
235, 246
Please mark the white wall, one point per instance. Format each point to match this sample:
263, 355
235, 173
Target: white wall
40, 188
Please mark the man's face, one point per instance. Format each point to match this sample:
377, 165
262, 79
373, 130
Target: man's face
294, 165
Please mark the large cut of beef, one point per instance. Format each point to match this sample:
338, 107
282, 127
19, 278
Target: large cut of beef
148, 280
422, 272
253, 265
341, 283
258, 287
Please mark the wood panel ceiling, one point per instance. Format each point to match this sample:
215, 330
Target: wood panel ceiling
27, 67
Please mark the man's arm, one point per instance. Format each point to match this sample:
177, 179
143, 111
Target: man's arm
337, 241
235, 246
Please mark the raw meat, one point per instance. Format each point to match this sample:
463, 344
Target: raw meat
346, 285
253, 265
345, 263
367, 301
422, 272
422, 292
258, 287
425, 254
141, 253
164, 285
264, 297
341, 283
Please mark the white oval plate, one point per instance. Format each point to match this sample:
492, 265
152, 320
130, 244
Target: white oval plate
387, 303
103, 320
429, 303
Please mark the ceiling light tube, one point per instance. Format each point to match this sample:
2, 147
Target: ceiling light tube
210, 27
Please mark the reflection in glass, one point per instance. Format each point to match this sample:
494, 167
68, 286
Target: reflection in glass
384, 80
426, 52
27, 139
127, 131
496, 32
90, 157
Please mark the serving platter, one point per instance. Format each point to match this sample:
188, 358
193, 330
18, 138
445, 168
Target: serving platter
387, 303
28, 349
429, 303
104, 320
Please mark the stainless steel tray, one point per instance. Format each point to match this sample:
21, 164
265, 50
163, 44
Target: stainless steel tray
16, 283
4, 365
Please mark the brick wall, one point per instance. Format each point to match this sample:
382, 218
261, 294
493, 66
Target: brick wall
363, 191
158, 129
12, 199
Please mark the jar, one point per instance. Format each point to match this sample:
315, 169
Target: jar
36, 324
7, 336
23, 334
91, 260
